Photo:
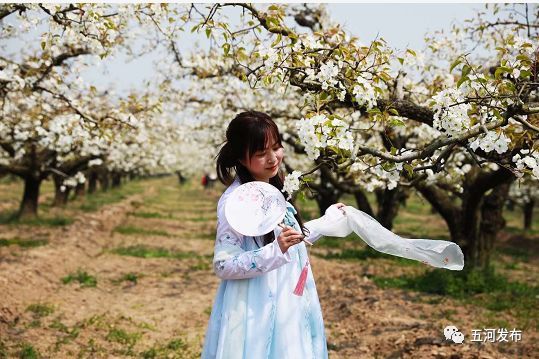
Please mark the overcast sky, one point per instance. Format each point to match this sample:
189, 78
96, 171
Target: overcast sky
402, 25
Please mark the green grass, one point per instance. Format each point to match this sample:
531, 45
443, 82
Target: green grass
483, 288
515, 221
27, 351
3, 350
200, 265
23, 243
520, 254
122, 336
174, 348
10, 218
143, 251
202, 219
151, 215
48, 215
200, 235
92, 350
82, 277
95, 201
70, 334
40, 310
137, 231
364, 253
58, 325
128, 277
338, 242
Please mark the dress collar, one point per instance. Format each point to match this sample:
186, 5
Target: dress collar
291, 207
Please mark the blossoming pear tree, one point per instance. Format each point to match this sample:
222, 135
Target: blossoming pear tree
479, 114
52, 122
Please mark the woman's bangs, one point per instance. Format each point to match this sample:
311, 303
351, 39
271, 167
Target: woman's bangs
263, 136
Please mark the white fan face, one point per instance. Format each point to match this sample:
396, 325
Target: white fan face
255, 208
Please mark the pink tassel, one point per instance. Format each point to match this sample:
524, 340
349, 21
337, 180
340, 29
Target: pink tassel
301, 281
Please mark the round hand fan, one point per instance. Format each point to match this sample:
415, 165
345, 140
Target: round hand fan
255, 208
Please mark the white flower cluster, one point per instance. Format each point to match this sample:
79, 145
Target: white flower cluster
372, 178
270, 56
527, 160
10, 76
364, 92
524, 191
96, 162
491, 141
517, 45
327, 75
73, 181
319, 132
450, 113
291, 183
480, 83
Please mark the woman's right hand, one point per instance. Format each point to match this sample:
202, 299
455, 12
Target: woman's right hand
288, 238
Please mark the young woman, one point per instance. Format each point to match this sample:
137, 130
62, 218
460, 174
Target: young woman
255, 313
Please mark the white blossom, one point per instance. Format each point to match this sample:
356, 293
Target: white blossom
291, 183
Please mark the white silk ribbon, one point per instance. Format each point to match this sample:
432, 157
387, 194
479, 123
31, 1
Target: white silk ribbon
436, 253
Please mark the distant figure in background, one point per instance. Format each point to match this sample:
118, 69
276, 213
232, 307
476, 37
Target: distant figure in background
205, 181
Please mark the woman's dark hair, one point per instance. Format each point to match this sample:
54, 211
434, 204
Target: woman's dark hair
247, 133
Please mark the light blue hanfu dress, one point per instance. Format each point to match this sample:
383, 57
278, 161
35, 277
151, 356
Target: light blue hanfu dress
255, 312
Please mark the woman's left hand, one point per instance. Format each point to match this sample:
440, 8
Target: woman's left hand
340, 206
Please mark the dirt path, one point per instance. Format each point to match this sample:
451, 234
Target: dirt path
155, 301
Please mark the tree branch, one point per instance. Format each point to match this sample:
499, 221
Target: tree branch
9, 9
58, 61
262, 18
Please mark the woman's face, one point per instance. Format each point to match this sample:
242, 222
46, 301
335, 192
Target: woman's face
264, 164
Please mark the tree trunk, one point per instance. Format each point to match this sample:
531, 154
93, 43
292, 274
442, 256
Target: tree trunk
324, 199
389, 202
29, 203
477, 220
326, 194
528, 214
104, 181
80, 190
181, 178
60, 198
116, 180
92, 182
363, 203
481, 241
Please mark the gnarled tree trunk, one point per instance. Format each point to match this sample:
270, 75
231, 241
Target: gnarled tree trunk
92, 182
326, 194
80, 190
116, 180
475, 222
528, 214
389, 202
29, 203
60, 197
482, 232
362, 202
104, 181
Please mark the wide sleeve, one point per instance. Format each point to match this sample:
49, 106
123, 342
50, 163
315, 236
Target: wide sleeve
332, 223
311, 235
231, 261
